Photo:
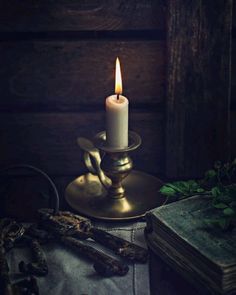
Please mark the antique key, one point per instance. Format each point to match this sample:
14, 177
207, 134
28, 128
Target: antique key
67, 227
69, 224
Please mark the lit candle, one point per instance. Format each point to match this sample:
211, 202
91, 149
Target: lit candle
117, 109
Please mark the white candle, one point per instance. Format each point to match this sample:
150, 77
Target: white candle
117, 109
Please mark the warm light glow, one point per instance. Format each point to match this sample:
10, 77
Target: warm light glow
118, 83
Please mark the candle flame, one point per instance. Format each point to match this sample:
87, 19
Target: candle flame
118, 82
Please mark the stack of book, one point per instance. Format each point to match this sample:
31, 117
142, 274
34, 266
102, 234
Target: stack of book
178, 233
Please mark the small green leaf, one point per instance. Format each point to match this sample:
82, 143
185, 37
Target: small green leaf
168, 191
220, 206
229, 211
210, 173
193, 183
181, 186
193, 186
233, 162
215, 191
200, 190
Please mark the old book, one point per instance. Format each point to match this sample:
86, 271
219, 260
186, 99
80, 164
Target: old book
203, 254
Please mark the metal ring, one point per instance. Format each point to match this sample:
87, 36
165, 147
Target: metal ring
100, 142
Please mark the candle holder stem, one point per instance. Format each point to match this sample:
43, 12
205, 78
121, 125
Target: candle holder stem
116, 166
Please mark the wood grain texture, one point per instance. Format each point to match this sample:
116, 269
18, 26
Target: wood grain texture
233, 134
66, 76
234, 17
49, 140
74, 15
198, 94
233, 79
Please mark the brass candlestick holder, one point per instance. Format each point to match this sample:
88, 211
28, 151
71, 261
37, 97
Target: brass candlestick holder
112, 190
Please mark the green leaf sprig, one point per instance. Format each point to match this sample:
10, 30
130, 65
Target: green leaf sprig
219, 183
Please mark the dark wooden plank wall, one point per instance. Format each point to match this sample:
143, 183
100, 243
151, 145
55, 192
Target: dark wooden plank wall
57, 67
198, 86
72, 15
74, 75
233, 89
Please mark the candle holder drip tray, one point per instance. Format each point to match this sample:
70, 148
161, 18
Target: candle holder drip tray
112, 190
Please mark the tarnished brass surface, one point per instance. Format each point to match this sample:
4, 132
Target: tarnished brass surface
91, 152
100, 142
88, 196
115, 164
112, 191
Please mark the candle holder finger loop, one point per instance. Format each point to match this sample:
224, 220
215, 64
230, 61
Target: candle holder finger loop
92, 161
89, 164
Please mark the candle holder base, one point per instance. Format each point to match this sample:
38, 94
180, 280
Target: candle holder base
88, 196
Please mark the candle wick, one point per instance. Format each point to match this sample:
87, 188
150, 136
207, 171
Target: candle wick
118, 96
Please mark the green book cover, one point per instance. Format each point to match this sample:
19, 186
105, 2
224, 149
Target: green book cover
178, 232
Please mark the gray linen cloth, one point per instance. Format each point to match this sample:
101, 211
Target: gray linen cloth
71, 274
